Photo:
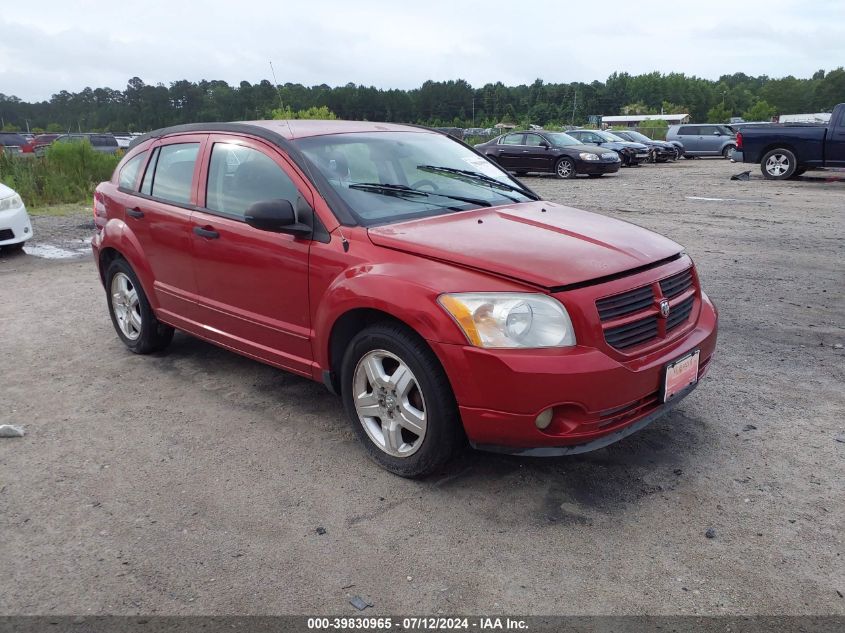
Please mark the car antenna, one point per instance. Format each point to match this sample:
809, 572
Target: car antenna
343, 240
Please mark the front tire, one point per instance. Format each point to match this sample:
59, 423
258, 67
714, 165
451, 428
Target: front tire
778, 164
565, 168
130, 311
399, 401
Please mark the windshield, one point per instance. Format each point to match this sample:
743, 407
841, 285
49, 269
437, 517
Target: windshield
637, 136
387, 177
561, 140
607, 136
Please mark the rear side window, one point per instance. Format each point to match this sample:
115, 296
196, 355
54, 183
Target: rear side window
688, 130
708, 130
240, 176
174, 172
129, 172
512, 139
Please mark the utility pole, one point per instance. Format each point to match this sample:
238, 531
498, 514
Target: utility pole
473, 110
574, 103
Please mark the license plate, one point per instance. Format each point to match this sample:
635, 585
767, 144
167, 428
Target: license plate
680, 374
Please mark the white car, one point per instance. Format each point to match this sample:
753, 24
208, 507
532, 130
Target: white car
15, 227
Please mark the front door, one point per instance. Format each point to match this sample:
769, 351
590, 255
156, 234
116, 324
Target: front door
252, 285
539, 156
835, 143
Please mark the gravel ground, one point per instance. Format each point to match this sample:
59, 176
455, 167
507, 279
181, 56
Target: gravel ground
197, 481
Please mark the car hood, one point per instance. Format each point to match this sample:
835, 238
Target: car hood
631, 144
592, 149
5, 191
541, 243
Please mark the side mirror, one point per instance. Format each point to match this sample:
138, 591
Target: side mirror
544, 144
276, 216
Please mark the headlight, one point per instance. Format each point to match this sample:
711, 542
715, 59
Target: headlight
502, 319
12, 202
588, 156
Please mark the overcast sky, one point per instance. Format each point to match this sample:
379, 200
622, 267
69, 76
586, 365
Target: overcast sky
52, 45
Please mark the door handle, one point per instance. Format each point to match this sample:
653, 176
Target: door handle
135, 213
208, 234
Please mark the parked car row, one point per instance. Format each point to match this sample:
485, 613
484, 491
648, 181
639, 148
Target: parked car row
15, 143
568, 154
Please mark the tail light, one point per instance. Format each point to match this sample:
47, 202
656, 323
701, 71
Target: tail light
100, 215
739, 140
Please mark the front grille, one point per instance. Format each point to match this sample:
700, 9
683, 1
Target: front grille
625, 303
679, 314
632, 334
6, 234
632, 318
676, 284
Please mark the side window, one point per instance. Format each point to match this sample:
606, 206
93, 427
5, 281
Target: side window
240, 176
534, 140
708, 130
589, 137
688, 130
174, 172
147, 185
512, 139
129, 172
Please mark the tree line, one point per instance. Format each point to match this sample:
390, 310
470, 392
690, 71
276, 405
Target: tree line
141, 106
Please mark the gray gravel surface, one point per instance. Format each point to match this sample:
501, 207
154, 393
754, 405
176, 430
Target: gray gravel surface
196, 481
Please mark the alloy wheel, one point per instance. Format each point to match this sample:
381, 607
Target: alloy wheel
564, 169
777, 164
389, 403
126, 306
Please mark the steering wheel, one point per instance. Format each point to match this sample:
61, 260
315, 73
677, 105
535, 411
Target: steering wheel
425, 182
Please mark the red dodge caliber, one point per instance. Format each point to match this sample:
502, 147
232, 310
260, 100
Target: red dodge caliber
441, 298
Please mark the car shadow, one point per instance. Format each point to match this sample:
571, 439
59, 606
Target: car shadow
575, 489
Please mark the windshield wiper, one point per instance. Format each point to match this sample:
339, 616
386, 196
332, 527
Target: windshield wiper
475, 177
403, 190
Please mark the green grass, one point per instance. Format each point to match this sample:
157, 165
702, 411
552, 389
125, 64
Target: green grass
61, 210
67, 173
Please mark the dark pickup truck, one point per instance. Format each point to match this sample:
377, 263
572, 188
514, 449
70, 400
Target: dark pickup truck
788, 150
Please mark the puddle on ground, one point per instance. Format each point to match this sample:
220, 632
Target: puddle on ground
51, 251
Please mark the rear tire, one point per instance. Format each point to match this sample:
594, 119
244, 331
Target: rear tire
565, 168
778, 164
399, 401
729, 149
130, 311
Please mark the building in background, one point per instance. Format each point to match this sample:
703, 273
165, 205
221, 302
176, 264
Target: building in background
641, 120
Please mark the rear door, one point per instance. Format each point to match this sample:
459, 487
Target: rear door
252, 284
160, 218
510, 152
835, 141
710, 139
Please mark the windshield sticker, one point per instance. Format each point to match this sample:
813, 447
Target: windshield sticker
483, 166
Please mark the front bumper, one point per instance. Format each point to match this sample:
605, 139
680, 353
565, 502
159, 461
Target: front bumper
596, 399
597, 167
15, 226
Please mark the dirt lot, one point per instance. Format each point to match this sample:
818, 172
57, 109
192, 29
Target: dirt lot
194, 481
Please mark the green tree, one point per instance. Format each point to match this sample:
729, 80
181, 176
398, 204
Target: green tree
718, 114
760, 111
322, 113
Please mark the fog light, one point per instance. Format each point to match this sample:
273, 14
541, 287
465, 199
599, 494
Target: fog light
544, 419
